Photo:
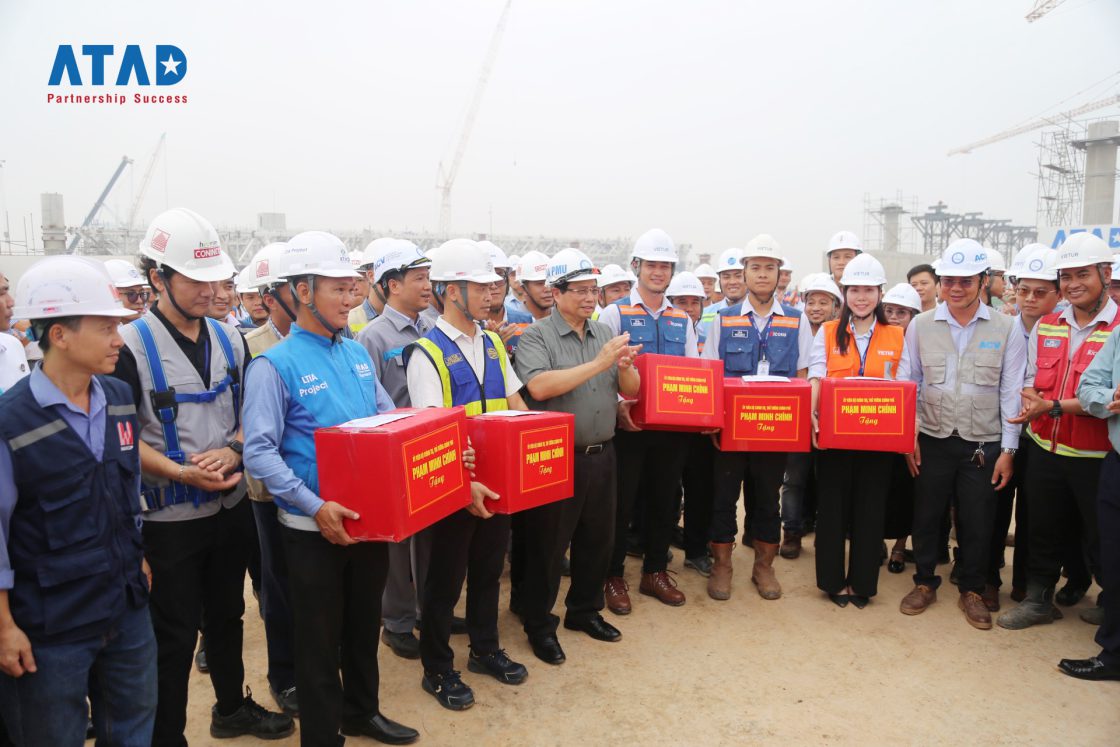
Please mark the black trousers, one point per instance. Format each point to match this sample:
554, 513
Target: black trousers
464, 547
1011, 500
655, 460
698, 482
900, 500
276, 606
198, 572
1062, 505
586, 522
1108, 518
947, 470
336, 599
759, 476
852, 500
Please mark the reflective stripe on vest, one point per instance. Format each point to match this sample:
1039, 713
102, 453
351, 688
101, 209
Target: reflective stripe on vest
667, 334
885, 345
461, 385
740, 342
1057, 378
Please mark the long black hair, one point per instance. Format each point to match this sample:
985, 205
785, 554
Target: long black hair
842, 335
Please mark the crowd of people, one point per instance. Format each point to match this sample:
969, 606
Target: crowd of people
157, 421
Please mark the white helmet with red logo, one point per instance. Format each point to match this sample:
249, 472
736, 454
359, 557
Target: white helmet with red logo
187, 243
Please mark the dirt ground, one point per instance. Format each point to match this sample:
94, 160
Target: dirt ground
748, 671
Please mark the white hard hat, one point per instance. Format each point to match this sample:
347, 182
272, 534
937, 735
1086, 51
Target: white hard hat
998, 263
844, 240
397, 255
318, 253
786, 266
685, 284
612, 274
124, 274
462, 259
963, 258
497, 256
67, 286
374, 249
514, 261
821, 282
534, 266
703, 271
270, 264
243, 282
1038, 262
569, 266
863, 270
356, 258
1017, 262
729, 259
904, 294
655, 246
1081, 250
765, 246
935, 264
187, 243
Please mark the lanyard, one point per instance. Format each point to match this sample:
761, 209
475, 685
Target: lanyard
863, 355
763, 336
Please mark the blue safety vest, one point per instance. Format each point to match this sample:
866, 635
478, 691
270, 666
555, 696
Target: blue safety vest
741, 344
522, 319
461, 385
74, 543
328, 383
666, 335
165, 403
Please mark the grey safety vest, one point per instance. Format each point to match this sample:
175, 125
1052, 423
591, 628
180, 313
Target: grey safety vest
259, 340
960, 392
201, 427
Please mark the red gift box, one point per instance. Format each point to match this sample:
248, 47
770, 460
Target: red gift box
678, 393
866, 414
527, 458
400, 476
766, 415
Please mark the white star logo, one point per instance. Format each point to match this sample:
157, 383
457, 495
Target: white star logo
170, 65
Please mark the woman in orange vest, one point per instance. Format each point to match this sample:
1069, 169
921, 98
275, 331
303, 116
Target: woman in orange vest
853, 485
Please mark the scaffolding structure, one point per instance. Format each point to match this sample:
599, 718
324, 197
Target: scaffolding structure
1061, 176
883, 227
938, 228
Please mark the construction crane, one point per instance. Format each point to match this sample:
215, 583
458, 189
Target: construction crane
134, 213
125, 161
446, 179
1041, 8
1039, 124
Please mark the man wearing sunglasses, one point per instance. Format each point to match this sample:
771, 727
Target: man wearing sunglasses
134, 292
969, 362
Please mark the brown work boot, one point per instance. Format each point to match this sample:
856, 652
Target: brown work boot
991, 598
616, 592
763, 571
920, 597
791, 546
975, 611
719, 583
659, 584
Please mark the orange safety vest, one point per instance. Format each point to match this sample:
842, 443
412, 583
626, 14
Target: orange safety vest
1057, 378
886, 345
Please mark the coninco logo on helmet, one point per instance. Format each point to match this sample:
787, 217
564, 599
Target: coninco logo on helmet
207, 252
159, 241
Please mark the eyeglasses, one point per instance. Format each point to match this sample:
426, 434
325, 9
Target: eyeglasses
137, 296
1037, 293
951, 281
582, 292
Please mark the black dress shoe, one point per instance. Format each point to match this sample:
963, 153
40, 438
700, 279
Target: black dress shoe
1069, 595
499, 666
840, 600
859, 601
458, 625
200, 659
404, 645
382, 729
597, 628
286, 699
547, 649
1089, 669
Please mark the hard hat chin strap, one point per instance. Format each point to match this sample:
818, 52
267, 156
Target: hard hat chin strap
171, 297
461, 305
276, 296
333, 330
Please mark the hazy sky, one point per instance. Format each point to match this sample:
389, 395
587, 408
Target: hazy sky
713, 120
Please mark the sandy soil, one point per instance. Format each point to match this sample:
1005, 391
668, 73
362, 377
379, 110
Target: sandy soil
750, 671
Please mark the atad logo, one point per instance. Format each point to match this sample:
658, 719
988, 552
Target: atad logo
99, 66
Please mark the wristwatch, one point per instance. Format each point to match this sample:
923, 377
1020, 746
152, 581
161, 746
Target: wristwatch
1056, 409
237, 447
1008, 451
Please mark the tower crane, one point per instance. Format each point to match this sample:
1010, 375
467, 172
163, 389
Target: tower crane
1041, 8
125, 161
446, 178
139, 200
1039, 124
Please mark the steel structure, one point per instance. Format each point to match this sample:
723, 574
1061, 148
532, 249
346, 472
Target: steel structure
938, 228
883, 226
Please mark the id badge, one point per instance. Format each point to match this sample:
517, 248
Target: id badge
763, 368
